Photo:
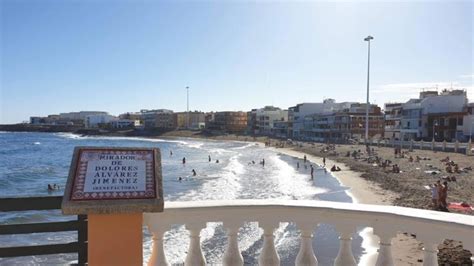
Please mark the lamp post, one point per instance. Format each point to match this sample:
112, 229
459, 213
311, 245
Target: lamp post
187, 107
367, 39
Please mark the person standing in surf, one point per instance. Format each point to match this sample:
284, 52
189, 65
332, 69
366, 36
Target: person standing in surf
312, 172
184, 160
304, 159
209, 156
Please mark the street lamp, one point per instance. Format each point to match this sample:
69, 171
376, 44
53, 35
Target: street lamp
435, 124
187, 107
367, 39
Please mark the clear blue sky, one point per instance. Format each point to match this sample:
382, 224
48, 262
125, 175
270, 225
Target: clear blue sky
61, 56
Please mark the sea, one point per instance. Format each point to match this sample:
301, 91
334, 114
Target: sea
31, 161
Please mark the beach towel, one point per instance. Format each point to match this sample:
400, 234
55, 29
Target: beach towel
462, 206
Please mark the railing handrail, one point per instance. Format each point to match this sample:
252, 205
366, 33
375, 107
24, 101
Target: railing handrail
43, 204
441, 218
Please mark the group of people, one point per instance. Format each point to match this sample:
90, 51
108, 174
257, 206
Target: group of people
439, 194
53, 187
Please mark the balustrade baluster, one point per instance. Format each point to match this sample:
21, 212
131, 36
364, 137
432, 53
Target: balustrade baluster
269, 255
157, 257
306, 254
232, 255
385, 233
430, 248
195, 256
345, 256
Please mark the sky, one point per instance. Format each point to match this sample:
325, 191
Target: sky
123, 56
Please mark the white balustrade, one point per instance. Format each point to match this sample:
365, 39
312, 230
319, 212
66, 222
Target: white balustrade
195, 256
269, 255
306, 254
345, 256
385, 233
232, 255
431, 228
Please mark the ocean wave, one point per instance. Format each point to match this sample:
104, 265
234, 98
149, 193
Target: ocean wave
76, 136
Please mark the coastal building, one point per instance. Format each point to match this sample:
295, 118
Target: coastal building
252, 128
98, 120
468, 122
297, 114
267, 116
344, 124
393, 117
124, 123
231, 122
132, 116
434, 115
158, 119
192, 120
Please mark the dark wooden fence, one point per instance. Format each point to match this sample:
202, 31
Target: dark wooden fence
43, 203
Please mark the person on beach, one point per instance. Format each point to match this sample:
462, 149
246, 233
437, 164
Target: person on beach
312, 171
434, 195
184, 160
209, 156
324, 161
304, 159
443, 195
263, 162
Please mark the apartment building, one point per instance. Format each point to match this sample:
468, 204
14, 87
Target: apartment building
159, 119
393, 120
231, 122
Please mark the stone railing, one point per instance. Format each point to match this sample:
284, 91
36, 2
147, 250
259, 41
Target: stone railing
430, 227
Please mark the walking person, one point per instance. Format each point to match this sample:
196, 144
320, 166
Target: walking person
312, 172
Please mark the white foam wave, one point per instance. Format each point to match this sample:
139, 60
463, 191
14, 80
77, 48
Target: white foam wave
76, 136
36, 143
225, 187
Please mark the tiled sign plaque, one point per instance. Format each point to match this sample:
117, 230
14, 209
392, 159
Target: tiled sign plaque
114, 180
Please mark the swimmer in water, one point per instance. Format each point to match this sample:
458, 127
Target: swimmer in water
171, 153
297, 165
180, 179
217, 161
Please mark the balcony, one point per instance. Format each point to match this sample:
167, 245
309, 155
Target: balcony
430, 227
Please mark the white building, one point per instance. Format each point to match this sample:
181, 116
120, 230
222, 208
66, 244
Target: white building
297, 114
93, 121
267, 116
421, 117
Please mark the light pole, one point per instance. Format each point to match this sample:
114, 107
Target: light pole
187, 107
435, 124
367, 39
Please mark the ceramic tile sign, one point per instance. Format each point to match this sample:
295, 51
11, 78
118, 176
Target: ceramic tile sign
117, 178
